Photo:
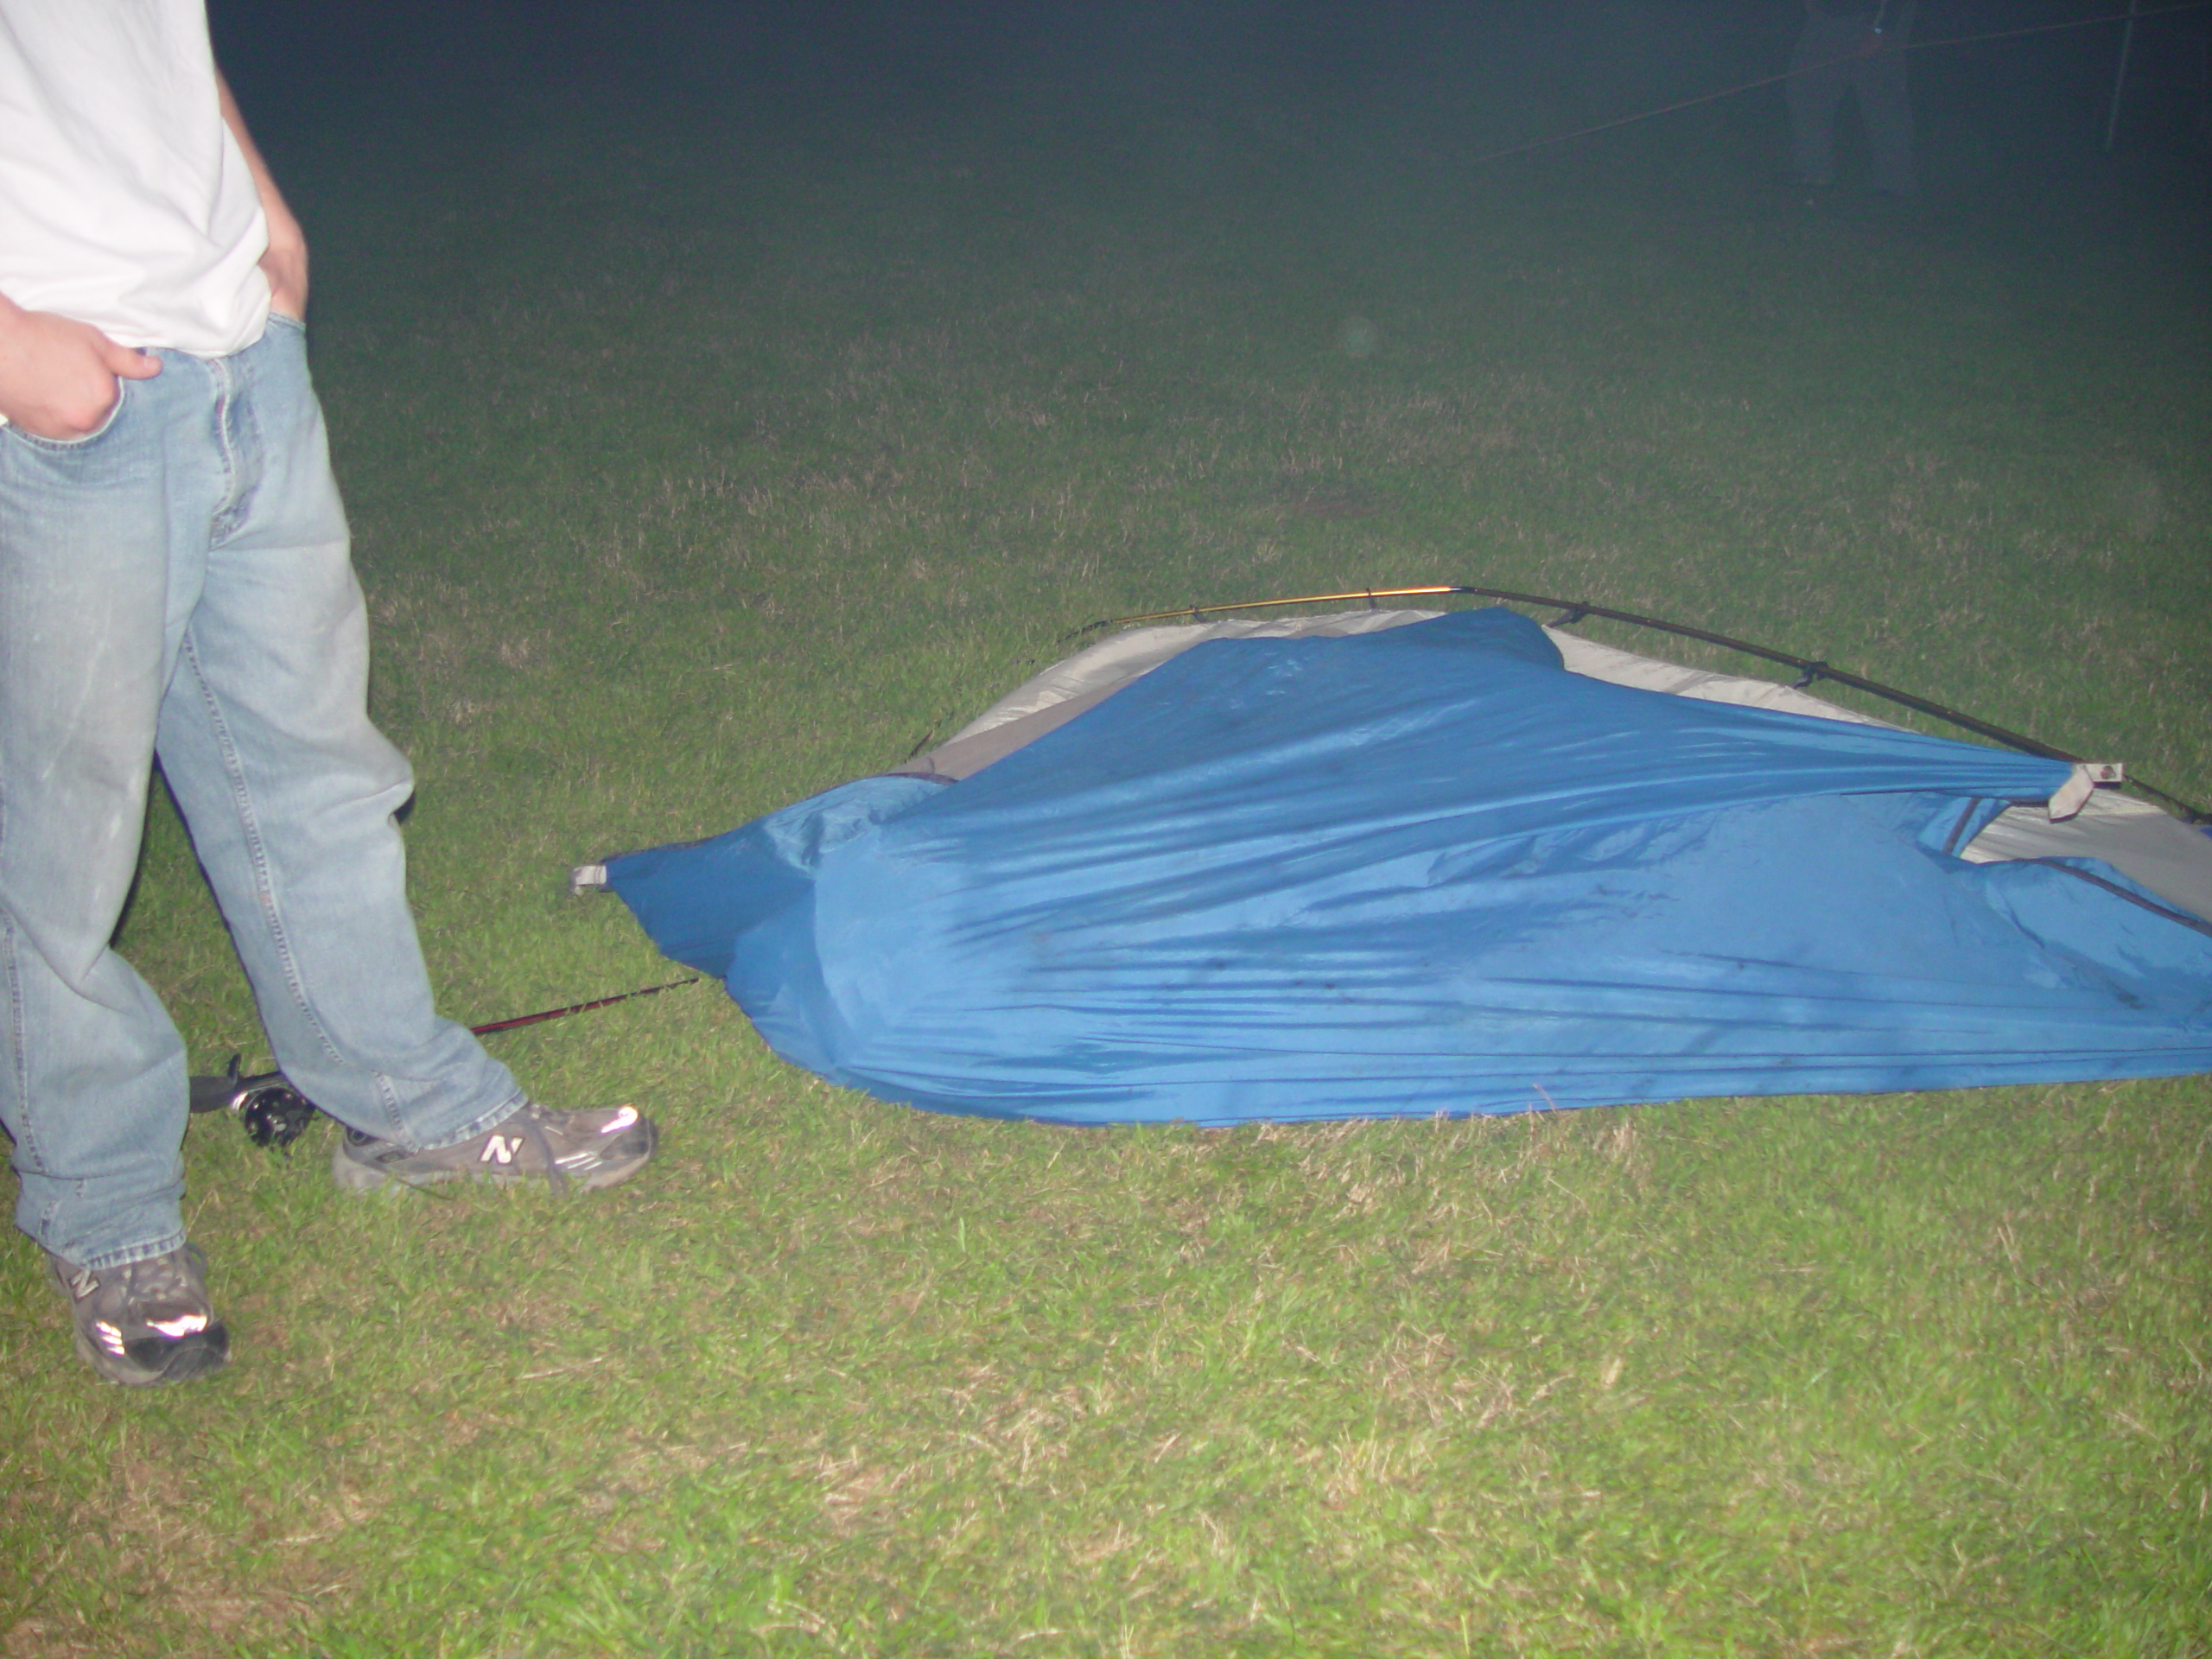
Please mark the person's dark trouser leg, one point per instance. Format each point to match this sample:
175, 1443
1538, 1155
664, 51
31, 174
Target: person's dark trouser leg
1886, 108
1819, 76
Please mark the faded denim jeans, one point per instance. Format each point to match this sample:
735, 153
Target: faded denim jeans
179, 583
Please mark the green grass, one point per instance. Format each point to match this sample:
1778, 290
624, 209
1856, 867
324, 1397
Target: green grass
694, 469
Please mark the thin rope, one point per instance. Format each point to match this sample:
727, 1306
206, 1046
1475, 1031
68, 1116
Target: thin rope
1812, 69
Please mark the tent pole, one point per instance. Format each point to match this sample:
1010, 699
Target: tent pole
2120, 74
1574, 611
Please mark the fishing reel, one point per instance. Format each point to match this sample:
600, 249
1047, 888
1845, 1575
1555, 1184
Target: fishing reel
273, 1113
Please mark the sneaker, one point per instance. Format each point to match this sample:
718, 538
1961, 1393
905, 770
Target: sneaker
591, 1149
144, 1322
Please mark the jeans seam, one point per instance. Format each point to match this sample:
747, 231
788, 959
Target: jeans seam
256, 854
27, 1139
228, 516
20, 1083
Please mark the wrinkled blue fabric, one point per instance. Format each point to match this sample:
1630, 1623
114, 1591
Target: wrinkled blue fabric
1425, 871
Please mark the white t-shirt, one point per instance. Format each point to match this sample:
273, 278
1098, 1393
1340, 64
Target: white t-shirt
124, 200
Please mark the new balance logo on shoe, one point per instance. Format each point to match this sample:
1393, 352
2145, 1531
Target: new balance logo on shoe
145, 1322
567, 1151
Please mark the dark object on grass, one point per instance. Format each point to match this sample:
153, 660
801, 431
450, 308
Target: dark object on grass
1402, 864
275, 1114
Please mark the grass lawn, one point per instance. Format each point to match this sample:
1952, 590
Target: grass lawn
698, 463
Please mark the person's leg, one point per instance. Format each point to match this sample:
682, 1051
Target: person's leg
91, 1072
1886, 109
289, 791
1820, 75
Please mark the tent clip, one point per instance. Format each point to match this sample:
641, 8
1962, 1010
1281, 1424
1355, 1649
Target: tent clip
2081, 783
1811, 671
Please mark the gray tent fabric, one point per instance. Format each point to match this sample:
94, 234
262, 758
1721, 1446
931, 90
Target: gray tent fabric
2133, 836
1050, 700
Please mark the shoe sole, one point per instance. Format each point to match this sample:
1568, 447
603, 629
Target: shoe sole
195, 1355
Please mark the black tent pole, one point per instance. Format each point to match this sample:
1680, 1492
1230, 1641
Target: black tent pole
1573, 611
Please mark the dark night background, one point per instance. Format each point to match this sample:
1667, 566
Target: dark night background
1208, 97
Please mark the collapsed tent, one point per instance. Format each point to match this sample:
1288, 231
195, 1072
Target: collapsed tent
1402, 863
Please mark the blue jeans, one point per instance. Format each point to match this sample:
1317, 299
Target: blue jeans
178, 584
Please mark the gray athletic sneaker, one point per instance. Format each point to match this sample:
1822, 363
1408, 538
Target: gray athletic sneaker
591, 1149
144, 1322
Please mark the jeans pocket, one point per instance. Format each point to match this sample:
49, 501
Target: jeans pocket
65, 446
